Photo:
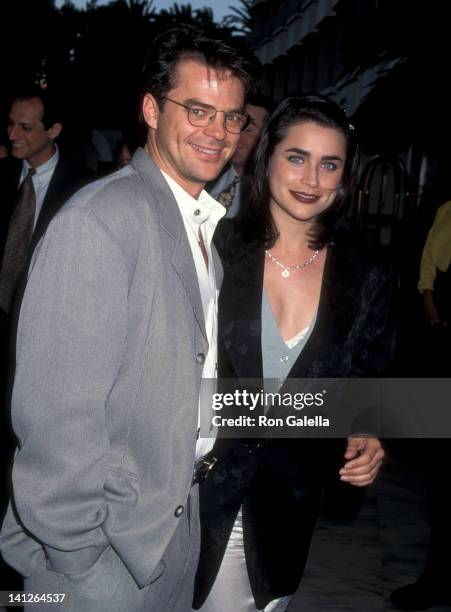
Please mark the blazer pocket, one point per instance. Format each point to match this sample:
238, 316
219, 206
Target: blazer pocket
159, 571
101, 580
122, 472
121, 487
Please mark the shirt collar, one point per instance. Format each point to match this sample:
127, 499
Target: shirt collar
196, 211
47, 166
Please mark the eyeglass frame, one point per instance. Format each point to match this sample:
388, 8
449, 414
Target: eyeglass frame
213, 117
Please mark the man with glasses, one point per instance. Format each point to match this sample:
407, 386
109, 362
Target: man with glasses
121, 301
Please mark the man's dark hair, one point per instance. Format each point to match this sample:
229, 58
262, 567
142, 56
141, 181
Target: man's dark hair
191, 43
259, 99
257, 221
52, 109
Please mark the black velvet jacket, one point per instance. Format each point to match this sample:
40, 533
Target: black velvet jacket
279, 482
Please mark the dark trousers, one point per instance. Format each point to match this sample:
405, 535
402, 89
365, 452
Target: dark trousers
10, 580
436, 454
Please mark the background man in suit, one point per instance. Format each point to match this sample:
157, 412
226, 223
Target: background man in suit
35, 121
232, 186
117, 328
34, 183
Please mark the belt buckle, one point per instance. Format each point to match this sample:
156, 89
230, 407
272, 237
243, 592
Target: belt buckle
202, 469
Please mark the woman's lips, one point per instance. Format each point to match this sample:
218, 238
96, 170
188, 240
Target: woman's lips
305, 198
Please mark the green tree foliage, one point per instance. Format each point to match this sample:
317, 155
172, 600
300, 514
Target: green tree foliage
240, 19
93, 56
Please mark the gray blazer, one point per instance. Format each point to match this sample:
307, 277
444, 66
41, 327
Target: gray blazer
110, 350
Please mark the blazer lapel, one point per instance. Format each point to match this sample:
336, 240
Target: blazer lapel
322, 355
332, 344
240, 310
240, 314
171, 222
217, 266
183, 263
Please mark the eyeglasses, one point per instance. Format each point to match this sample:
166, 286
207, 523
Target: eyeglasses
200, 115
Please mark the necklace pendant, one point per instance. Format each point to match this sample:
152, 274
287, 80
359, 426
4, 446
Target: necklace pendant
285, 273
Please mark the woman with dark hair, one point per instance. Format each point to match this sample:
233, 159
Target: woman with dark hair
300, 299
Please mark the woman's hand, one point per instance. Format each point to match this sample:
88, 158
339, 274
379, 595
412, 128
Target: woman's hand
363, 460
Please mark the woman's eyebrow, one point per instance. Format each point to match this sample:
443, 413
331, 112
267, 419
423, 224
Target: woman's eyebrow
305, 153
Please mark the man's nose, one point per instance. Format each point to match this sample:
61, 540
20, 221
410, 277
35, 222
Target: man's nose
216, 128
12, 132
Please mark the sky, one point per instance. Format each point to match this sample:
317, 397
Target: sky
220, 7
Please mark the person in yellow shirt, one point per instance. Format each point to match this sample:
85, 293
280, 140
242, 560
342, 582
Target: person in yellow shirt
435, 275
433, 588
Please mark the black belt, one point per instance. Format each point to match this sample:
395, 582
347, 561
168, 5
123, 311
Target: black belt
202, 468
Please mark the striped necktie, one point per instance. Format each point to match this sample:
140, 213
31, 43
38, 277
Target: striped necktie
226, 196
18, 241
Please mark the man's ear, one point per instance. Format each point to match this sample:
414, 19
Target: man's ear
55, 130
150, 111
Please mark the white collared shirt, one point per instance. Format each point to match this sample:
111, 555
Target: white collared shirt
203, 213
41, 180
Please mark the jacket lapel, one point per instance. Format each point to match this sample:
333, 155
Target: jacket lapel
217, 266
323, 355
240, 314
240, 310
171, 222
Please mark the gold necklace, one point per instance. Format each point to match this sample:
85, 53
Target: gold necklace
287, 269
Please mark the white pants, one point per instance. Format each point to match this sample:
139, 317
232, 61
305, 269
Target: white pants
232, 590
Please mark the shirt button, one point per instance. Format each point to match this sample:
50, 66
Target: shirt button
200, 358
284, 358
197, 212
179, 511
